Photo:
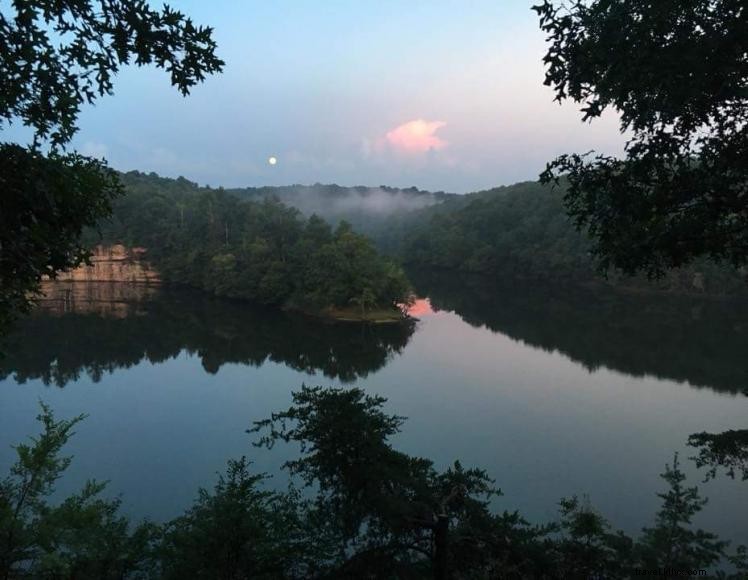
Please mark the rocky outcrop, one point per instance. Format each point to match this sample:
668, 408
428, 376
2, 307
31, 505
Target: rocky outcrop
114, 264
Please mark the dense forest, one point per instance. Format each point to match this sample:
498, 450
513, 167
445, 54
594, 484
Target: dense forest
370, 210
523, 230
263, 251
250, 243
520, 228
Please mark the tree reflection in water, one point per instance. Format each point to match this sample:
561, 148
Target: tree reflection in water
96, 328
698, 340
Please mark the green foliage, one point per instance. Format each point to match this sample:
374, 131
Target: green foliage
57, 56
676, 73
587, 548
739, 560
262, 251
342, 436
523, 231
672, 543
22, 495
384, 504
238, 531
367, 511
377, 212
83, 537
54, 58
45, 204
520, 229
387, 505
86, 537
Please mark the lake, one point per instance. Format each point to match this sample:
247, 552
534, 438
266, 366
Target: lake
554, 390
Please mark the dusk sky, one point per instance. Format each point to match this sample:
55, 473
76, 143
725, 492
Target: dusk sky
443, 95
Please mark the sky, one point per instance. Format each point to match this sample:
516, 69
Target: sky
438, 94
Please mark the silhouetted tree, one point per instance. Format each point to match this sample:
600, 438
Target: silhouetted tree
54, 58
676, 73
82, 537
369, 511
672, 543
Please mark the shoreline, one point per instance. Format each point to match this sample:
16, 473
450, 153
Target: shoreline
378, 315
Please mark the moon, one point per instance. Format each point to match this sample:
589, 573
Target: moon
272, 160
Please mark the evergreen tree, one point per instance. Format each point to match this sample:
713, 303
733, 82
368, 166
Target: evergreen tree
672, 543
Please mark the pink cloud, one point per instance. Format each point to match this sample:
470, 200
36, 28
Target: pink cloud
416, 136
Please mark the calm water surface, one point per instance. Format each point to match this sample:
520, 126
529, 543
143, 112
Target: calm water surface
553, 391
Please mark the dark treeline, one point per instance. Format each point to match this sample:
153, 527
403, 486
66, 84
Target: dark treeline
520, 230
372, 211
68, 335
368, 511
524, 230
700, 340
263, 251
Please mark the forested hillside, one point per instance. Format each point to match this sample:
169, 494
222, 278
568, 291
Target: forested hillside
523, 230
264, 251
370, 210
517, 230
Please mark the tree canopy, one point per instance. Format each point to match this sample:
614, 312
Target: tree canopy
523, 231
56, 57
677, 75
367, 510
44, 205
262, 251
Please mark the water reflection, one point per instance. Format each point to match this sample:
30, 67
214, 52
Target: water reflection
698, 340
94, 328
538, 422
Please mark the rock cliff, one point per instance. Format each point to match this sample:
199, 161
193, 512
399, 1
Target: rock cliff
114, 264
